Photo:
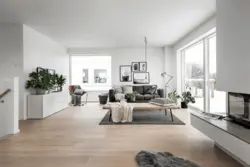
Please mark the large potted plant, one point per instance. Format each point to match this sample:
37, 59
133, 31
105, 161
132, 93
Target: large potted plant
40, 82
186, 98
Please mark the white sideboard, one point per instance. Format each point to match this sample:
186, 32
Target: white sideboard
230, 137
42, 106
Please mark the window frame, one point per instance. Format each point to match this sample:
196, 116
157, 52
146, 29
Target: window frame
181, 52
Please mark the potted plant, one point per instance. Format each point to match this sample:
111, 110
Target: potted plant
40, 82
173, 96
61, 80
186, 98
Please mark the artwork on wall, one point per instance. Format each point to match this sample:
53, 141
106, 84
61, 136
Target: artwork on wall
135, 66
85, 75
125, 73
100, 75
141, 78
38, 69
143, 66
51, 71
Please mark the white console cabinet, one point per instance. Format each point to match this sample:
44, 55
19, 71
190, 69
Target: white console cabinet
42, 106
230, 137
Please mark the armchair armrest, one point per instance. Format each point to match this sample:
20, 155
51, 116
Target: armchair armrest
160, 93
111, 95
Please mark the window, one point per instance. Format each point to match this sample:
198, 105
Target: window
91, 72
199, 73
194, 73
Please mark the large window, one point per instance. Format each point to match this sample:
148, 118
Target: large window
91, 72
194, 73
199, 74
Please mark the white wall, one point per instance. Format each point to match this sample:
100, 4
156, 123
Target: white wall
170, 67
40, 50
233, 41
124, 56
196, 33
11, 54
9, 119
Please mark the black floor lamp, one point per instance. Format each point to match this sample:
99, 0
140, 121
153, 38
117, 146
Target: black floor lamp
166, 75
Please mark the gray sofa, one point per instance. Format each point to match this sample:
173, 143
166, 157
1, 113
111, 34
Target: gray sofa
141, 93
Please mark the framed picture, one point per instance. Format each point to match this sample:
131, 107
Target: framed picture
100, 76
85, 76
125, 73
51, 71
141, 78
38, 69
135, 66
143, 66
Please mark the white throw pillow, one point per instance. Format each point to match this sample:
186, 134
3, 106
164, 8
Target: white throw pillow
118, 90
127, 89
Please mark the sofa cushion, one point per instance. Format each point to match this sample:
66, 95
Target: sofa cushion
118, 89
152, 90
148, 96
139, 97
147, 87
127, 89
157, 96
138, 89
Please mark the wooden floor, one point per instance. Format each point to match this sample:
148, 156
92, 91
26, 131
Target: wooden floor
73, 138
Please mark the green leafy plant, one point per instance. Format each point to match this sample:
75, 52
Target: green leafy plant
173, 96
61, 80
39, 80
186, 97
42, 81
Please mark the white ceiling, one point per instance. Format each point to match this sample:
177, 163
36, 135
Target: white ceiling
109, 23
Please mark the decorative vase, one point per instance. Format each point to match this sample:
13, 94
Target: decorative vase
184, 105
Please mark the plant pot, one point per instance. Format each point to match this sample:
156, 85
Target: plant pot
184, 105
40, 91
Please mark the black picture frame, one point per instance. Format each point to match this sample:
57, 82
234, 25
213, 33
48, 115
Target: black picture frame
128, 77
138, 78
38, 69
143, 66
135, 66
51, 71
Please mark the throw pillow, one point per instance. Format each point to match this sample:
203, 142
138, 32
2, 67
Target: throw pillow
151, 90
79, 92
131, 97
127, 89
119, 97
118, 90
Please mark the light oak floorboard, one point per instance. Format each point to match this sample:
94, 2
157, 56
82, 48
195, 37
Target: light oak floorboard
74, 138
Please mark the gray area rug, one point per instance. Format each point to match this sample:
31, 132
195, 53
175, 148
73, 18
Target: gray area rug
147, 117
161, 159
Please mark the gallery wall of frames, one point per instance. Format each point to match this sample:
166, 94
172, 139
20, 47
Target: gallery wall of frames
136, 72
